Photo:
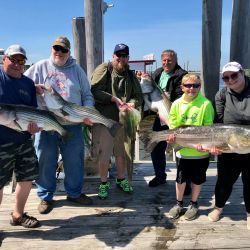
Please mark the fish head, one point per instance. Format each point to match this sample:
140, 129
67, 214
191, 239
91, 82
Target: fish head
52, 100
239, 142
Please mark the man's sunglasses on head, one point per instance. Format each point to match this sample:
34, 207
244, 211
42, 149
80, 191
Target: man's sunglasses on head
17, 61
60, 48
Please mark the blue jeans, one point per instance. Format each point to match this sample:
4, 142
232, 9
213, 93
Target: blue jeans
47, 145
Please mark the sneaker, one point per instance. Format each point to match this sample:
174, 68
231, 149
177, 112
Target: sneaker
82, 200
248, 221
156, 182
215, 214
45, 207
25, 220
192, 212
124, 186
176, 211
103, 190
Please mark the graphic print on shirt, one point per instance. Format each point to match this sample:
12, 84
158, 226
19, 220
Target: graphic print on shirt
59, 82
185, 119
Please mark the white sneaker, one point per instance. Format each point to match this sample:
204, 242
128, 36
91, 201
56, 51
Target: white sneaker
215, 214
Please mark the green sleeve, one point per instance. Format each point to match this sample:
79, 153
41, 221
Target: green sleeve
208, 114
99, 84
136, 96
173, 121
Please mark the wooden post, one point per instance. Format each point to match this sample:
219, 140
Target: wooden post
240, 33
78, 29
94, 34
211, 46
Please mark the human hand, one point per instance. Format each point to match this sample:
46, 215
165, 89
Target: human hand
117, 101
87, 122
171, 138
213, 150
40, 88
33, 128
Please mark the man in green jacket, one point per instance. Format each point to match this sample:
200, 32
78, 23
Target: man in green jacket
115, 89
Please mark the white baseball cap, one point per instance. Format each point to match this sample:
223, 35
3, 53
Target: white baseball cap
15, 49
232, 66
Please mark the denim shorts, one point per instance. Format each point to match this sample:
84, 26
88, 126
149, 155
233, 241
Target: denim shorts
19, 158
104, 145
191, 169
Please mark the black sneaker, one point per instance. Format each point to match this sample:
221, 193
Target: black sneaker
81, 200
156, 182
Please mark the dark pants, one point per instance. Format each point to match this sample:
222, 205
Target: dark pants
158, 155
229, 167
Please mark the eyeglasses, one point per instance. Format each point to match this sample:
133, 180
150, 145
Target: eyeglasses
190, 85
17, 61
121, 55
60, 48
233, 76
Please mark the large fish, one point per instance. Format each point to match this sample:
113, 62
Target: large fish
155, 99
228, 138
18, 117
130, 120
74, 113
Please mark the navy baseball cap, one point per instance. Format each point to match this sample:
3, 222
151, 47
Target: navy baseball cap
121, 48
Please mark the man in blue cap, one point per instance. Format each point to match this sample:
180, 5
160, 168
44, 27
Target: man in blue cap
115, 88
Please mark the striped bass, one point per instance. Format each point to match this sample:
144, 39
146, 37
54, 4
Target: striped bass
155, 99
74, 113
227, 138
18, 117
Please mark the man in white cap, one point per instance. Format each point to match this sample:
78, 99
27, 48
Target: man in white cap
62, 73
232, 107
16, 149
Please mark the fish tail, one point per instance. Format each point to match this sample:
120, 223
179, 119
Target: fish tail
151, 138
114, 128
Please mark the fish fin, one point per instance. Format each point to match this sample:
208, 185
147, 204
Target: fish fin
17, 124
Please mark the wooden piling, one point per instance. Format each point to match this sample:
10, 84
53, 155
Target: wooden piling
211, 46
94, 34
78, 29
240, 33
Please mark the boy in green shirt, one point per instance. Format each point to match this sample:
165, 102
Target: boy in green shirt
196, 110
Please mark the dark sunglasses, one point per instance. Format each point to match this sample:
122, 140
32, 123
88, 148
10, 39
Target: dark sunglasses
60, 48
17, 61
234, 76
190, 85
121, 55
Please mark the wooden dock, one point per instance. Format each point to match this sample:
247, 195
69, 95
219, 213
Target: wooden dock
137, 221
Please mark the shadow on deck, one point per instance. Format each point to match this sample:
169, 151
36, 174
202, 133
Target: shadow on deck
123, 221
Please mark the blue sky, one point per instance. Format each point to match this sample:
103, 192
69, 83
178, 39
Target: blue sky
146, 26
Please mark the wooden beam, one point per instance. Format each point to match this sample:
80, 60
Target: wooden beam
94, 34
78, 29
211, 46
240, 33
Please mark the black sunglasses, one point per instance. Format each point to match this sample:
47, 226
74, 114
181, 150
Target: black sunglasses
60, 48
121, 55
190, 85
17, 61
234, 76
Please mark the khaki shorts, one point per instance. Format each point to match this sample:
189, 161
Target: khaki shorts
18, 158
104, 145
